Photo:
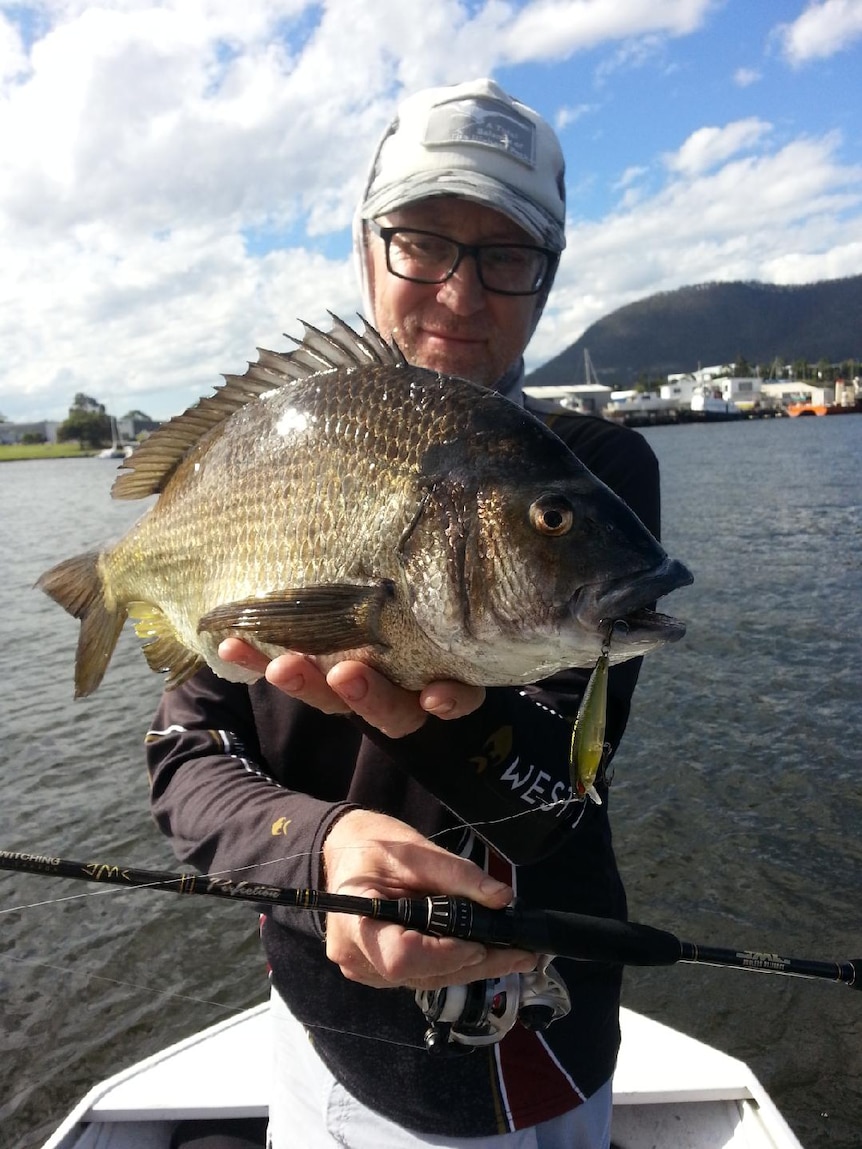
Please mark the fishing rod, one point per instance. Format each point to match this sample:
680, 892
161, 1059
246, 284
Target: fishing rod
554, 932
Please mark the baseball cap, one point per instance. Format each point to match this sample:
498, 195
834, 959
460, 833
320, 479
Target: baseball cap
476, 141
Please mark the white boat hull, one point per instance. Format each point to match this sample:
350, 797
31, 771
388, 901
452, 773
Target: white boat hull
669, 1090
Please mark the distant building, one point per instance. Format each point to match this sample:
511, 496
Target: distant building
789, 391
591, 398
744, 391
748, 392
11, 433
130, 429
703, 374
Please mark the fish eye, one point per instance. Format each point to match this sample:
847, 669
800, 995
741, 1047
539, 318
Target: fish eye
551, 515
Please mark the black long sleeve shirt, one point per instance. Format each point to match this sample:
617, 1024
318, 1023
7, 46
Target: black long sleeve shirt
248, 781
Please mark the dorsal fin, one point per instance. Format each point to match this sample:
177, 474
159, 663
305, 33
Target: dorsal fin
149, 468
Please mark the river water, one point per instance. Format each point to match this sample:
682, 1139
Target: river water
737, 802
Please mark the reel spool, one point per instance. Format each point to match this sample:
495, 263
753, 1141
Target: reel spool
482, 1012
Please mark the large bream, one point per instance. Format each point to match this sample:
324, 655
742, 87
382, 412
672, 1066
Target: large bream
337, 501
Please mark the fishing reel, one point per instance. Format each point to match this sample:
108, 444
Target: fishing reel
482, 1012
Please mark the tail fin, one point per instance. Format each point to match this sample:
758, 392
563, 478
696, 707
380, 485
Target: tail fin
77, 586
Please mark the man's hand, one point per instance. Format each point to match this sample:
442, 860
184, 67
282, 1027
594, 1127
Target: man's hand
372, 855
353, 686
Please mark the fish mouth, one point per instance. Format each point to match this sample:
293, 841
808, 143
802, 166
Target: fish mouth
620, 609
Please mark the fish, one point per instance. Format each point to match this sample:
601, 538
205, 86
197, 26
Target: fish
339, 502
588, 732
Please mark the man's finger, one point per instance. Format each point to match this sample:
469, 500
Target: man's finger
301, 679
239, 652
381, 703
449, 700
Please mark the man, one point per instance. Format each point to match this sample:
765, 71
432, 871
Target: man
311, 780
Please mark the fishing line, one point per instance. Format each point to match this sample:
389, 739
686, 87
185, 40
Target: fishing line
136, 987
175, 995
542, 931
544, 807
170, 995
102, 891
139, 986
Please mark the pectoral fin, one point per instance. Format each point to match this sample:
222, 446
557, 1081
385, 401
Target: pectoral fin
310, 620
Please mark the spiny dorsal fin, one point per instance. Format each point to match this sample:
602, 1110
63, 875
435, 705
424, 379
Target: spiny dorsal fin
148, 470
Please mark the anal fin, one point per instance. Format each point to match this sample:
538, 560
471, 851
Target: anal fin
163, 651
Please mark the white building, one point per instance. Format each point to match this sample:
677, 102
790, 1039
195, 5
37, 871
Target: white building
788, 391
46, 431
591, 398
744, 391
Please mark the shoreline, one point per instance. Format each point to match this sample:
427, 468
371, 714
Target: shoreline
16, 453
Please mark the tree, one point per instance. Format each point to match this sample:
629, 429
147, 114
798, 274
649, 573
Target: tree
139, 415
91, 429
741, 368
83, 402
646, 383
825, 371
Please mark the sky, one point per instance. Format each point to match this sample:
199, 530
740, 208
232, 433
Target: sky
177, 179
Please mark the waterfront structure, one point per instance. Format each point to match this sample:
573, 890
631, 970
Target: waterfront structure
45, 431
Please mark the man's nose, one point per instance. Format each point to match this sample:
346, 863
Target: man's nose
463, 292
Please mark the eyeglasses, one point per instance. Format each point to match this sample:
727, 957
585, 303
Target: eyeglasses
504, 268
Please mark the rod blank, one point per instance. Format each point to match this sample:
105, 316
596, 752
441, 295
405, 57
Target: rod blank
553, 932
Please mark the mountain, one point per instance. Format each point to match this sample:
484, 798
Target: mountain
712, 323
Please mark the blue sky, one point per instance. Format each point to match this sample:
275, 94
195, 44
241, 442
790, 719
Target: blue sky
179, 177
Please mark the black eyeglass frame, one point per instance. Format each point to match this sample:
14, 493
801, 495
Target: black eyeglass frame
552, 257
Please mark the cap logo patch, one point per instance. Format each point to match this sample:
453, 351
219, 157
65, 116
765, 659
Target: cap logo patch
485, 122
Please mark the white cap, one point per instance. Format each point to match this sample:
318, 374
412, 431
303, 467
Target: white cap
475, 141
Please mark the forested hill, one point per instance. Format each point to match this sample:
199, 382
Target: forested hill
714, 323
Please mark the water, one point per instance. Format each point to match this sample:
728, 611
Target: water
736, 800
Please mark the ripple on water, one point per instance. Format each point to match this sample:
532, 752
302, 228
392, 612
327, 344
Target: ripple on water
736, 802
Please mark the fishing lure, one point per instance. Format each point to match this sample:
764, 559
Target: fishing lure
588, 734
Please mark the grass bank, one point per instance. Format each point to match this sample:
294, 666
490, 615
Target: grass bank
13, 452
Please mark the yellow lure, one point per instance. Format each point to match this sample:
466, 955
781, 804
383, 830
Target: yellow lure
588, 733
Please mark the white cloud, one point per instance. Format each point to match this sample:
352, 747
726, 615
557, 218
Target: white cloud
552, 29
146, 144
630, 175
785, 217
708, 147
13, 59
570, 115
161, 317
822, 30
745, 77
179, 176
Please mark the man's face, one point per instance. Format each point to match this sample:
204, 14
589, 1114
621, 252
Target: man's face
456, 327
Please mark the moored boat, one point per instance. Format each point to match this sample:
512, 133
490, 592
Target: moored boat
669, 1090
797, 409
709, 404
118, 449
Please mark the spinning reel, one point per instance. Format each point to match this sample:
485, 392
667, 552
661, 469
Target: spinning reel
483, 1012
